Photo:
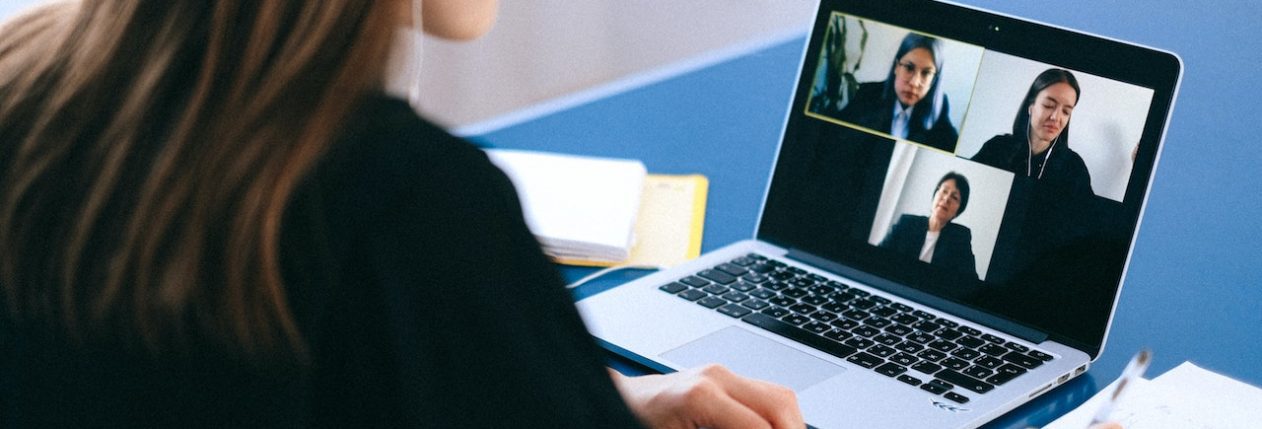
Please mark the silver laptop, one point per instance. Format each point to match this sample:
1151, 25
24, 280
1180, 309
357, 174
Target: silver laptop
947, 225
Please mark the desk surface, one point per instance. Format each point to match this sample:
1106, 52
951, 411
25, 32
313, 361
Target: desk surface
1195, 283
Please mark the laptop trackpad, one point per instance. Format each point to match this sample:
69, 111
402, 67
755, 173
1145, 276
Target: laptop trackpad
751, 355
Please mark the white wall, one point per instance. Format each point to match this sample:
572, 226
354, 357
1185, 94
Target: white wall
1106, 124
541, 50
909, 188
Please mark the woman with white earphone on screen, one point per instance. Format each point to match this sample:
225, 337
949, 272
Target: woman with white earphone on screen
1038, 147
221, 213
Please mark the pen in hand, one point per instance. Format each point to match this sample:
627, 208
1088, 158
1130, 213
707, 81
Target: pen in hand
1134, 370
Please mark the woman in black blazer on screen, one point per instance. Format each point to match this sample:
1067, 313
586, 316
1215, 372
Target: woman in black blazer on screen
909, 104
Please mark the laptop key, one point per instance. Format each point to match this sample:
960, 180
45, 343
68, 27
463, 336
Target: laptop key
993, 339
964, 381
905, 319
898, 329
816, 300
881, 350
884, 311
942, 345
904, 359
755, 304
958, 398
931, 354
865, 360
763, 294
783, 301
735, 310
735, 296
838, 335
865, 331
673, 288
929, 368
694, 281
1017, 347
715, 289
887, 339
824, 316
795, 319
1023, 360
846, 324
743, 286
965, 353
1005, 373
692, 295
993, 349
817, 327
949, 334
745, 261
775, 285
795, 292
936, 389
954, 363
717, 276
732, 269
925, 325
909, 380
802, 308
859, 343
989, 362
900, 307
969, 330
948, 323
756, 278
877, 322
909, 347
978, 372
791, 332
855, 314
836, 307
891, 369
711, 302
970, 342
777, 312
1040, 355
920, 337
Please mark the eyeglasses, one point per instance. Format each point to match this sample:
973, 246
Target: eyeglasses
926, 73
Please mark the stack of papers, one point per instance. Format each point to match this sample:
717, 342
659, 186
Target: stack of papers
1187, 396
578, 207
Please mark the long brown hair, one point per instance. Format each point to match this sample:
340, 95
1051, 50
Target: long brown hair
148, 149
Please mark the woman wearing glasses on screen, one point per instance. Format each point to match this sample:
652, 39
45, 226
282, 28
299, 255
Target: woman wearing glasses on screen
910, 103
1038, 147
213, 215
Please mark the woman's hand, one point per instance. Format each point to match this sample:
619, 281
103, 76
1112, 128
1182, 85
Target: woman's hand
710, 396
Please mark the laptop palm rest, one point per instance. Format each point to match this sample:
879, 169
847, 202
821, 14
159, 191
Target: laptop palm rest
752, 355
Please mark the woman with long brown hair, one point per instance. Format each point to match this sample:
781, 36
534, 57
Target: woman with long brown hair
211, 214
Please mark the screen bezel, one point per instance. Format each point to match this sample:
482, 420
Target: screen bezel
1124, 62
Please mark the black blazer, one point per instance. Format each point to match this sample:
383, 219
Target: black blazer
954, 250
874, 109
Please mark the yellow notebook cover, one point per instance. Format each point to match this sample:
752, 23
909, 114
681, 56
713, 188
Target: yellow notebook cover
669, 224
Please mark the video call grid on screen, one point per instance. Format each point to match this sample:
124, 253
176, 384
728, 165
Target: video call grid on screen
983, 90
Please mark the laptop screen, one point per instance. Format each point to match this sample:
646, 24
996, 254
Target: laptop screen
985, 160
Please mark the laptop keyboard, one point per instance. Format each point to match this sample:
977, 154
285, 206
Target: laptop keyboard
911, 345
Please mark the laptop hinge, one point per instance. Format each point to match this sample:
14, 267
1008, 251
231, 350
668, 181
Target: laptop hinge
1034, 336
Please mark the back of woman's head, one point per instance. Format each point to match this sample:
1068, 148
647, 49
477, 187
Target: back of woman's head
147, 152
